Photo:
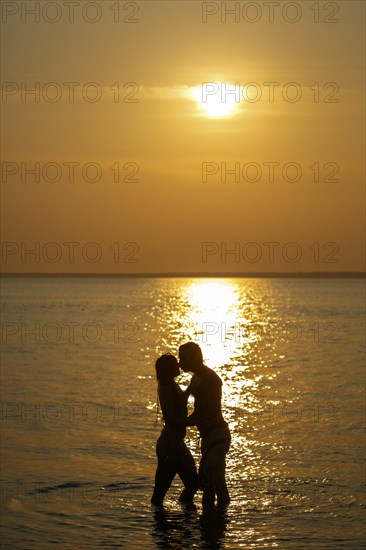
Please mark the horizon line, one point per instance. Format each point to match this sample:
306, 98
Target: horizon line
271, 274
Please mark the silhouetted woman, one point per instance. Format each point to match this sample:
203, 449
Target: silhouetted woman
173, 455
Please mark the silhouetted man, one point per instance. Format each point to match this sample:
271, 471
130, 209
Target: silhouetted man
206, 386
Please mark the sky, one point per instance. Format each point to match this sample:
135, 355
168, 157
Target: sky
113, 166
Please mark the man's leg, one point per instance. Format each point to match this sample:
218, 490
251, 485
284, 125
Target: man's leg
222, 493
212, 475
206, 480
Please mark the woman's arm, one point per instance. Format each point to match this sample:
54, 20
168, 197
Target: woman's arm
189, 390
167, 398
166, 402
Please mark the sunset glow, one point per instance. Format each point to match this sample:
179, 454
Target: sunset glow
215, 101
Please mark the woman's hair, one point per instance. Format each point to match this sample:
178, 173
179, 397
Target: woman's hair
166, 367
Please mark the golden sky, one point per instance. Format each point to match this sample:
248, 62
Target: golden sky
113, 101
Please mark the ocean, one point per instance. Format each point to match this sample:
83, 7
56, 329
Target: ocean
79, 420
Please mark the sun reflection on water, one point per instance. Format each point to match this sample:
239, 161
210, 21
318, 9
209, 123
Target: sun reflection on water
222, 319
214, 314
228, 318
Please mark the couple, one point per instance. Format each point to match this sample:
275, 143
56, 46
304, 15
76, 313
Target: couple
173, 455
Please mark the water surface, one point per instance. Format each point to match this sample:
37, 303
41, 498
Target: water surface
79, 417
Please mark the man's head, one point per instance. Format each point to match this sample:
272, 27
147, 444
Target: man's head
190, 357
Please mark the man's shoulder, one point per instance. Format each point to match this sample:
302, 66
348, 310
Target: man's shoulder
212, 376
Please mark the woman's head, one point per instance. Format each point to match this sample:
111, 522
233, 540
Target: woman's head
166, 367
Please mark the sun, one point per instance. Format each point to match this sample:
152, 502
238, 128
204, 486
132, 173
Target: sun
217, 100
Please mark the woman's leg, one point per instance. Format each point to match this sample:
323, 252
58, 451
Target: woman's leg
165, 470
187, 471
164, 476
